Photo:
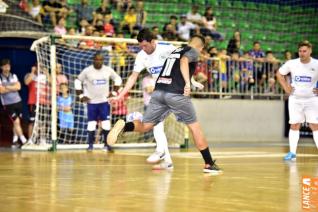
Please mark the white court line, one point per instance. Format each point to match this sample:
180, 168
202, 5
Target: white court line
224, 154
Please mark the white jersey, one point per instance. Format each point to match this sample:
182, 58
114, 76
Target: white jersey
96, 82
304, 77
153, 62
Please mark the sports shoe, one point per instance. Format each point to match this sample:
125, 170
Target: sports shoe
155, 157
290, 156
90, 149
213, 169
30, 142
163, 166
107, 148
15, 145
115, 132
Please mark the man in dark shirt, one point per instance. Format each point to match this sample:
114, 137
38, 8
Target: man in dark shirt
171, 94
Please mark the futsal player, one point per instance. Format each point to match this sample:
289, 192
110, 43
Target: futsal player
171, 94
96, 78
302, 91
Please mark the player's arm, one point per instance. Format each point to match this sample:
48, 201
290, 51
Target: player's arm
29, 77
184, 66
281, 78
79, 88
14, 87
129, 84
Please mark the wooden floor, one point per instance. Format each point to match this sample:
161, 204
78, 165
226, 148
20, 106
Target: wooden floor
254, 179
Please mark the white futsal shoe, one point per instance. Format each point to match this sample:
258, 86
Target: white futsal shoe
156, 157
115, 132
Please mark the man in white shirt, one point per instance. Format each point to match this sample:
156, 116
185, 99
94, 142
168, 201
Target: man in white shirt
303, 94
95, 79
151, 57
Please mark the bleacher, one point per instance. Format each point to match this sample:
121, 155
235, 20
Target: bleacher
278, 26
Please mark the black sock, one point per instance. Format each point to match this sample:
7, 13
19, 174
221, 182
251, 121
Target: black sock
105, 133
129, 127
91, 138
207, 156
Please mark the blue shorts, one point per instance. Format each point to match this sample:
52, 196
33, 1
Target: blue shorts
98, 112
66, 120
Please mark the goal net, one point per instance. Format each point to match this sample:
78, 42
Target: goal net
60, 61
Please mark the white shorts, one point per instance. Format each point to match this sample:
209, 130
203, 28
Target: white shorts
303, 110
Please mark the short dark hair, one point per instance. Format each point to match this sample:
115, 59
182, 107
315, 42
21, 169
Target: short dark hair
145, 34
98, 54
199, 37
5, 61
305, 43
256, 42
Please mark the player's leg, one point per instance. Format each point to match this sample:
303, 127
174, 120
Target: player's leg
312, 117
16, 116
91, 124
162, 150
183, 109
104, 114
156, 112
31, 123
202, 145
296, 117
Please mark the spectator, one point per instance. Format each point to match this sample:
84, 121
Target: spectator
55, 10
66, 117
248, 68
235, 44
258, 57
35, 10
60, 77
271, 65
72, 42
102, 11
155, 31
84, 11
287, 55
109, 30
141, 14
194, 16
173, 24
209, 25
130, 20
23, 4
11, 100
223, 58
60, 27
184, 28
123, 5
170, 33
201, 70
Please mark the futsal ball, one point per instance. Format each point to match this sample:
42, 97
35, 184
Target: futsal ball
134, 116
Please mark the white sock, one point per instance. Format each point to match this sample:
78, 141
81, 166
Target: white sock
315, 135
15, 138
161, 140
23, 139
293, 140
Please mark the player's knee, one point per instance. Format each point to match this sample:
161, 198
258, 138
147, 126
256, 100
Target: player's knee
106, 125
313, 127
295, 126
91, 125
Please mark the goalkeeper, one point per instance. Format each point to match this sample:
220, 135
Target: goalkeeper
95, 79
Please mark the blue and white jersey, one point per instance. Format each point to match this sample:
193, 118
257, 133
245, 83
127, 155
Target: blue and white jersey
304, 76
96, 82
13, 96
153, 62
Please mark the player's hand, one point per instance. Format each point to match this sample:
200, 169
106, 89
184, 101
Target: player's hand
187, 90
114, 99
315, 91
2, 89
85, 99
289, 90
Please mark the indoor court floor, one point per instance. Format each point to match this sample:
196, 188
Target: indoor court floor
254, 179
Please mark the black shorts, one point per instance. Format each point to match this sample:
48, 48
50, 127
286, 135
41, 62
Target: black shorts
32, 110
14, 110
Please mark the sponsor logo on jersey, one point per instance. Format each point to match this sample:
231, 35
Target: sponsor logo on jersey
99, 82
164, 80
302, 79
155, 70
